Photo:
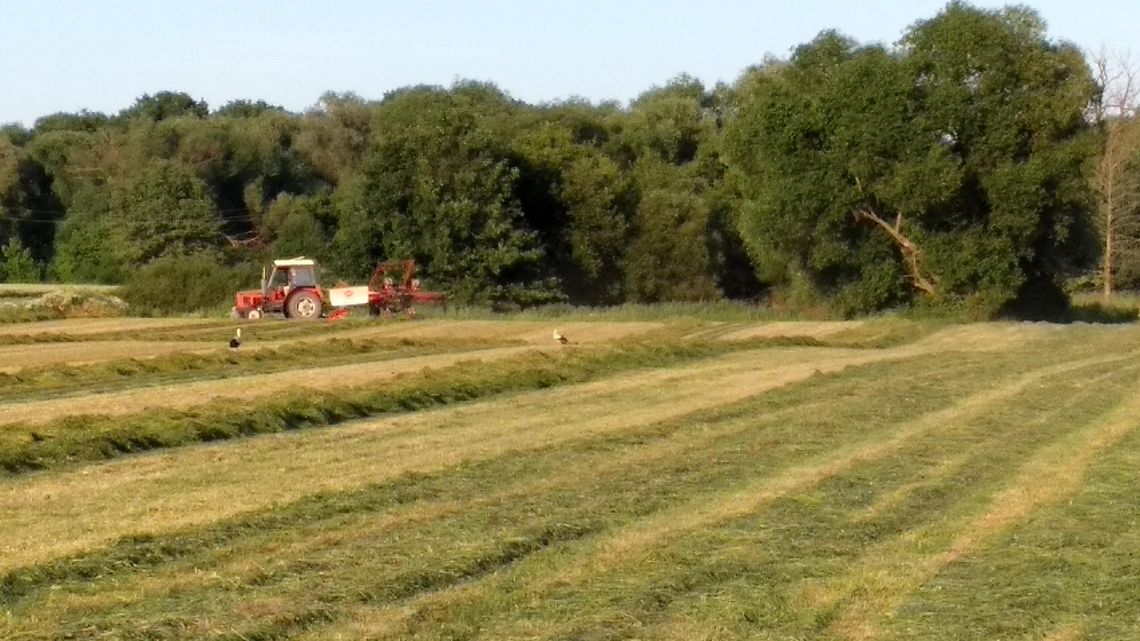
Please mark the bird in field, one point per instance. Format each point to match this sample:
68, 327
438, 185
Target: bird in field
235, 342
559, 338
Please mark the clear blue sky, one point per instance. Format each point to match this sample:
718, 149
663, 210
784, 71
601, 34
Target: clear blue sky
58, 55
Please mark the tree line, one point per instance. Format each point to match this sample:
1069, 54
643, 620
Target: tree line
964, 165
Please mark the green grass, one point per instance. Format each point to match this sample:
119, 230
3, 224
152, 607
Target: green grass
1121, 307
940, 494
512, 546
724, 311
1074, 566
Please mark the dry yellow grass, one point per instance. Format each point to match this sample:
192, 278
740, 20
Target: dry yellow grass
15, 357
535, 332
793, 329
1068, 632
986, 337
61, 513
88, 326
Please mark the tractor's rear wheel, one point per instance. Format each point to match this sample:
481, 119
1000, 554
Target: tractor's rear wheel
305, 306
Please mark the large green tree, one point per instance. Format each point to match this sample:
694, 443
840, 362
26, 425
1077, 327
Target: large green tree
165, 211
952, 167
90, 245
577, 198
680, 248
29, 210
438, 186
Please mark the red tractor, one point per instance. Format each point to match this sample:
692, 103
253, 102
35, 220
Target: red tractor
292, 289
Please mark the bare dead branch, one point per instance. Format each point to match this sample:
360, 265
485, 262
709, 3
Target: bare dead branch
910, 251
252, 241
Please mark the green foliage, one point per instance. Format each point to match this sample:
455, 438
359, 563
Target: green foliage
164, 105
87, 248
246, 108
295, 225
166, 211
682, 249
597, 197
669, 124
10, 156
963, 151
28, 208
15, 133
669, 260
17, 264
336, 136
88, 121
438, 187
577, 199
179, 284
970, 142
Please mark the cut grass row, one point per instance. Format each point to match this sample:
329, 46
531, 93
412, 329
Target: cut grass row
197, 485
197, 330
191, 331
42, 381
553, 466
521, 545
86, 438
38, 382
262, 330
754, 572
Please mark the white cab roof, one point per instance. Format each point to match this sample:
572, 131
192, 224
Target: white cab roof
300, 261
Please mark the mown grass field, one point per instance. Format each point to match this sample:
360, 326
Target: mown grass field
663, 479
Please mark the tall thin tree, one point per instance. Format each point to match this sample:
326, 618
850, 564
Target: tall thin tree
1117, 174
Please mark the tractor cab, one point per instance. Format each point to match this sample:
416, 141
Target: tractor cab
290, 289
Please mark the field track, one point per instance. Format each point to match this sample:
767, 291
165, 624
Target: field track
897, 482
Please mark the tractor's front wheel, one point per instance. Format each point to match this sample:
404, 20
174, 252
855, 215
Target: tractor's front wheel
305, 306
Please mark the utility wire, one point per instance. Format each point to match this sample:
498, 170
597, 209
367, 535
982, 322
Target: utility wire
233, 216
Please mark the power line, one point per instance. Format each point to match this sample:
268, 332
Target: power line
230, 215
60, 212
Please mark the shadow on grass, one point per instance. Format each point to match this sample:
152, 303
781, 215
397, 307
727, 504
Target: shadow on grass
1101, 313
